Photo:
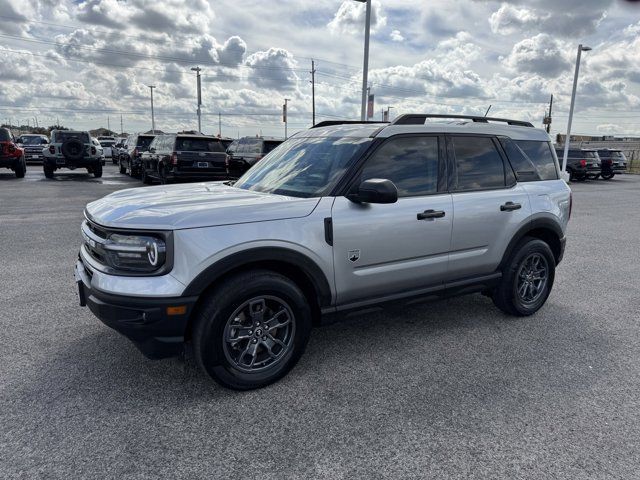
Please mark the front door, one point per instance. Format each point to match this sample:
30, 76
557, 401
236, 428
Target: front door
389, 249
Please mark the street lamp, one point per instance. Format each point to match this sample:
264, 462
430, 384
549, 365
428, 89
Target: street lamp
153, 121
197, 70
567, 140
365, 68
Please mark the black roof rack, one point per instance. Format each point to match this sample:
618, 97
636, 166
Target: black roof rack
419, 119
330, 123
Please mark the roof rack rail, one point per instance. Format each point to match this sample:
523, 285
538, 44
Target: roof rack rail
330, 123
419, 119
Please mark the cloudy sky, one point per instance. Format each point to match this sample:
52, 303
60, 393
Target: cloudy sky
84, 62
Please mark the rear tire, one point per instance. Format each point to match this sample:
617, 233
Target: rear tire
251, 330
146, 179
97, 170
608, 176
48, 171
122, 169
527, 278
21, 168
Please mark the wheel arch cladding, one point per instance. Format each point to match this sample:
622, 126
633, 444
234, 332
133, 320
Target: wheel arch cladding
299, 268
545, 229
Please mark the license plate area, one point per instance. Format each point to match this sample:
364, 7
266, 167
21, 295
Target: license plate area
60, 161
202, 164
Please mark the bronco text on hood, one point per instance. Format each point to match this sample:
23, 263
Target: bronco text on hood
340, 217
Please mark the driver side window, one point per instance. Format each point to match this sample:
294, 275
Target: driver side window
411, 163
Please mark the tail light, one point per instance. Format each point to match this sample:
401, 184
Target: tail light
93, 150
259, 157
174, 158
583, 163
226, 160
52, 149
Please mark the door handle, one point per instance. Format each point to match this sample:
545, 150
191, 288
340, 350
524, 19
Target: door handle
430, 214
510, 206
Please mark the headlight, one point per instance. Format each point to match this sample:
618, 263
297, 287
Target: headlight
135, 252
128, 253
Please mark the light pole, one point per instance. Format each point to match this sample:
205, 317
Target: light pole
284, 116
567, 140
199, 85
365, 67
153, 120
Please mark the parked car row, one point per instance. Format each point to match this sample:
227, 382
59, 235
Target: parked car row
171, 157
587, 163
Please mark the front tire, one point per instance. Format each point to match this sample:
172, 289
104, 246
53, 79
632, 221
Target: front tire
251, 330
122, 168
527, 278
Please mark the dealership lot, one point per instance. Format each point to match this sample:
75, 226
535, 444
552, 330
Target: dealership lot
451, 388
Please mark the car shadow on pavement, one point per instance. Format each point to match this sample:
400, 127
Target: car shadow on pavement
444, 347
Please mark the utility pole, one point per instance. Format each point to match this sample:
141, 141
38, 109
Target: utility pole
219, 124
153, 120
121, 129
365, 67
108, 123
284, 116
313, 93
199, 85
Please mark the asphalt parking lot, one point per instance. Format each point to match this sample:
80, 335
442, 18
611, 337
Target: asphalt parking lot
450, 389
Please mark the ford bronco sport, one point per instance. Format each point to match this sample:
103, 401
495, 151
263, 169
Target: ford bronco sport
339, 217
71, 149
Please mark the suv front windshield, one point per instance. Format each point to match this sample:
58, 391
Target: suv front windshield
29, 140
304, 166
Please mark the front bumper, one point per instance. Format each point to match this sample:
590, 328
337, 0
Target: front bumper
145, 321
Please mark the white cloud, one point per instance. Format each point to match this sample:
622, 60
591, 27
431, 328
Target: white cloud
350, 17
540, 54
396, 36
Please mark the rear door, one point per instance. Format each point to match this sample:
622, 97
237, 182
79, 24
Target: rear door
489, 206
394, 249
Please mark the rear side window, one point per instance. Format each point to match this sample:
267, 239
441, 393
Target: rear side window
5, 136
479, 166
144, 142
531, 160
269, 145
411, 163
253, 146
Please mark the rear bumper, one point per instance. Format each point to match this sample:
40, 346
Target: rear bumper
144, 321
61, 162
195, 175
8, 162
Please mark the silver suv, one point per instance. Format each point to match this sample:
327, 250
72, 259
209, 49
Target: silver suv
339, 217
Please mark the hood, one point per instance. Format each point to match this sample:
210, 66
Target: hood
173, 207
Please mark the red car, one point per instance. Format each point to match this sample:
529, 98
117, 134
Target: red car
11, 156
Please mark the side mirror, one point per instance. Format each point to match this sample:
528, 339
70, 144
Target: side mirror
375, 190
